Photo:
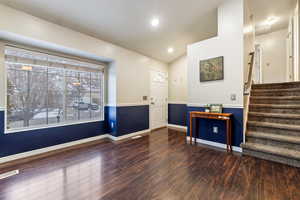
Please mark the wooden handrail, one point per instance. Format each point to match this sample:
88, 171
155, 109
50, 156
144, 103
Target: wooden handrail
248, 84
247, 88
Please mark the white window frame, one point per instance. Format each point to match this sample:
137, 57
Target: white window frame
61, 124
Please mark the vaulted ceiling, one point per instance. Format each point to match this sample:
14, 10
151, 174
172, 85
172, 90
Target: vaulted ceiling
127, 23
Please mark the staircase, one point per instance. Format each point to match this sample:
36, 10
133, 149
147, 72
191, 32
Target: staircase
273, 127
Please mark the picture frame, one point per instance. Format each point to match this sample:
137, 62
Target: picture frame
212, 69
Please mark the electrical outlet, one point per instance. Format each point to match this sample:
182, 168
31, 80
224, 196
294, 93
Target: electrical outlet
215, 129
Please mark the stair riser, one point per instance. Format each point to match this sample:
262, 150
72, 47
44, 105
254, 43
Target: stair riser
283, 86
274, 110
275, 93
273, 130
274, 101
271, 157
274, 120
273, 143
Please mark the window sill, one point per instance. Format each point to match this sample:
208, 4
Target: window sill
24, 129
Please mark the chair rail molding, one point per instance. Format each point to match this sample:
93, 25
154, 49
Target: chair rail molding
224, 105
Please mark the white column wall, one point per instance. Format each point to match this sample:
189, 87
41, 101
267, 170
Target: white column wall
229, 43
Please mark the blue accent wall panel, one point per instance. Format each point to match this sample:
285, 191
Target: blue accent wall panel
118, 121
20, 142
206, 126
177, 114
132, 119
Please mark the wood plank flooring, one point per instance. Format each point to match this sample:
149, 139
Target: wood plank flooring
159, 166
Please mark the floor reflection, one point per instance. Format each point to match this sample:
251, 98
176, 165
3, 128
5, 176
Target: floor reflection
70, 182
158, 166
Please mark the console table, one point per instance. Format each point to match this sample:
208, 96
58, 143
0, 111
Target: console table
218, 116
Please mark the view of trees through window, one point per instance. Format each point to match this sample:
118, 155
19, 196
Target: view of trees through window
44, 89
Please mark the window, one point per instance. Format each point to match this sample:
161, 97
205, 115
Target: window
46, 90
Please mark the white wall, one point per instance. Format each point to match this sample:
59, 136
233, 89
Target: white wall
274, 56
131, 69
296, 42
228, 43
249, 37
178, 81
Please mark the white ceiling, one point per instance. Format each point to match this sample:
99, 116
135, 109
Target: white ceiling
127, 22
263, 9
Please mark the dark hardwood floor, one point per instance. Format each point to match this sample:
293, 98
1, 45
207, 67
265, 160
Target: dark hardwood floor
158, 166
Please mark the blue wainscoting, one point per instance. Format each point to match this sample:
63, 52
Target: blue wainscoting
206, 126
132, 119
177, 114
20, 142
118, 121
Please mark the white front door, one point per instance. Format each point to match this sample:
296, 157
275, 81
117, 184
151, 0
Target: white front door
158, 99
257, 76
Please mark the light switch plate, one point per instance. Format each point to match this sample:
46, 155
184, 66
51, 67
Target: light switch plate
233, 97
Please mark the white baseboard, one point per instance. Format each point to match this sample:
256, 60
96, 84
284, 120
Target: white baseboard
216, 144
183, 128
65, 145
177, 102
114, 138
224, 105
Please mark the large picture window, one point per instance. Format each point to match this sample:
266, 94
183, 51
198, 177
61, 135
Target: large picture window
44, 90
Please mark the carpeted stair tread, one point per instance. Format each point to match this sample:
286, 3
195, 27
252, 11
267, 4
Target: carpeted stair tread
277, 90
279, 106
276, 137
276, 97
274, 125
275, 84
275, 115
273, 131
284, 152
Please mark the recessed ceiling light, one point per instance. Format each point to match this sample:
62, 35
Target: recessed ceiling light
170, 50
155, 22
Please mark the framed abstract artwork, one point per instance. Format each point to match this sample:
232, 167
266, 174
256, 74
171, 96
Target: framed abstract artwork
212, 69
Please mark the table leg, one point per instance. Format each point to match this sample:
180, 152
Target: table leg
230, 131
227, 135
191, 129
197, 121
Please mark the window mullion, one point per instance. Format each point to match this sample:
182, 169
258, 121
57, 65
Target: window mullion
78, 95
91, 95
65, 95
47, 95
